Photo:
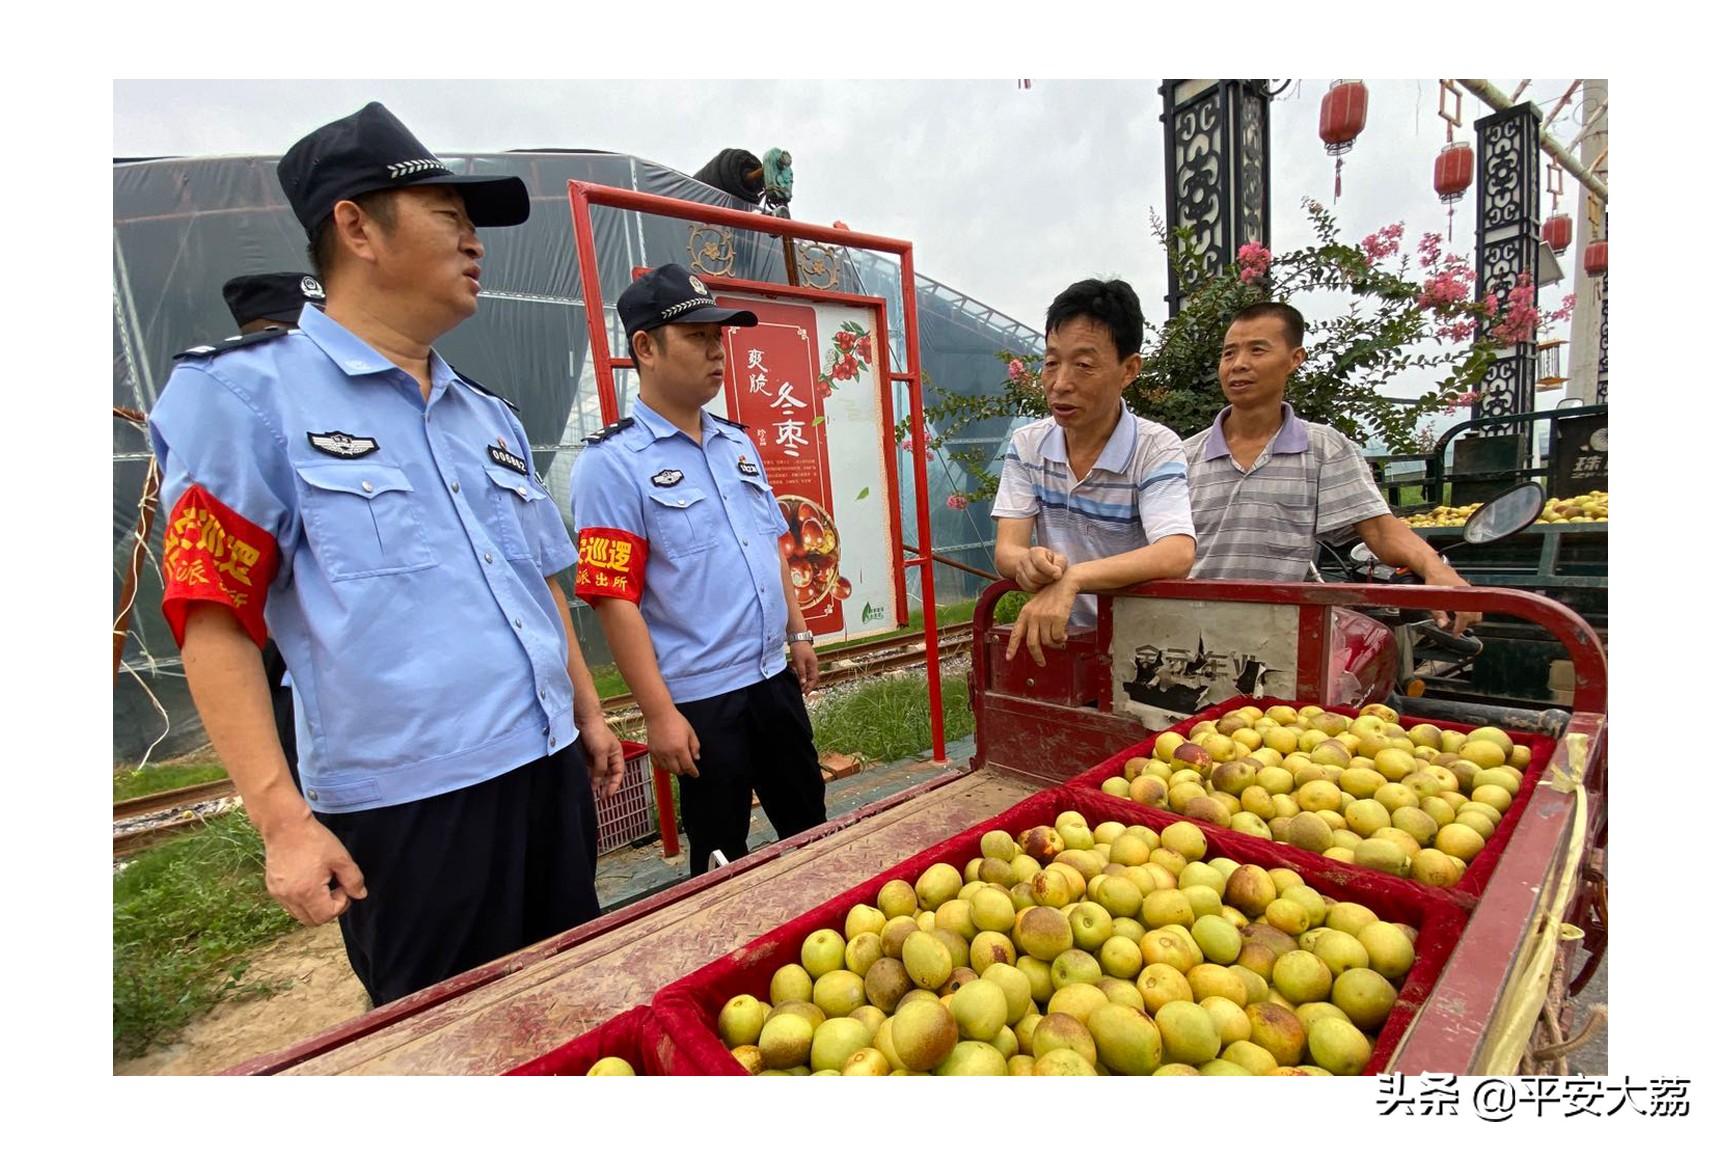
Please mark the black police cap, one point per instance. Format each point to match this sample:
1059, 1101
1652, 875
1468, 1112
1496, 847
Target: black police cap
671, 294
271, 296
370, 150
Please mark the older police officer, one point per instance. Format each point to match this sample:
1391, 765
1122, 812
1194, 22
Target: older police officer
344, 488
259, 301
679, 556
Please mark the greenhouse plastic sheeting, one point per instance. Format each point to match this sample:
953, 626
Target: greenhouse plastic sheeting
183, 226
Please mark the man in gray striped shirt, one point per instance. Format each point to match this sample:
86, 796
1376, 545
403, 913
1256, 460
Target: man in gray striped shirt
1104, 490
1266, 485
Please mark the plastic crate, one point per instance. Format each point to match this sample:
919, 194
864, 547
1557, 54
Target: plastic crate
628, 815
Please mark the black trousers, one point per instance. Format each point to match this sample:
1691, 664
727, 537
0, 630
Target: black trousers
456, 880
755, 739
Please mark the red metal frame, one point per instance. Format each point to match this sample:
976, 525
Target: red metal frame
1314, 652
1451, 1031
584, 196
1569, 629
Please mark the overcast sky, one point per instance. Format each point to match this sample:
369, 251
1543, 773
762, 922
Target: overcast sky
1008, 194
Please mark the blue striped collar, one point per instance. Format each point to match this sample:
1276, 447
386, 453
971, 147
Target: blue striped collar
1116, 455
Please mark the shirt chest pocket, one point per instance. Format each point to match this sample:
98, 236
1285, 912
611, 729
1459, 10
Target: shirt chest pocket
1284, 522
514, 506
1116, 536
683, 522
764, 508
362, 519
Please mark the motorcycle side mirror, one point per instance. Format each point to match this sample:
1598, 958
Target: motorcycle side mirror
1505, 515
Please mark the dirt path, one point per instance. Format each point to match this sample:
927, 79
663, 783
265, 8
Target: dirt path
323, 992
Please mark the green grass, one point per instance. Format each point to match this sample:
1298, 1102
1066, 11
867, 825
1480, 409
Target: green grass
185, 913
1404, 496
607, 681
888, 719
130, 782
958, 612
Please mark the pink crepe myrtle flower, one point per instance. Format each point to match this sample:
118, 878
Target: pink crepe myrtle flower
1386, 241
1254, 261
1429, 248
1521, 320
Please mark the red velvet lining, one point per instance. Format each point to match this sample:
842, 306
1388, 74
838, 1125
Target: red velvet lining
689, 1007
638, 1036
1478, 872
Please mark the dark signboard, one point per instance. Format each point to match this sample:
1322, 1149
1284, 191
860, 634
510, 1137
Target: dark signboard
1578, 456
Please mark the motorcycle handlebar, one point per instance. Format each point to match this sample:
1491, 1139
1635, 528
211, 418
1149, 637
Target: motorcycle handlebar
1431, 634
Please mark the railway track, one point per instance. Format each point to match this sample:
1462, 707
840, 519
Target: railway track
853, 662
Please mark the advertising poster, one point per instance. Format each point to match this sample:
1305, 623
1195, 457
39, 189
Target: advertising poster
804, 382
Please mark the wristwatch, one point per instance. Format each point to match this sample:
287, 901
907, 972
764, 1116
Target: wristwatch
804, 637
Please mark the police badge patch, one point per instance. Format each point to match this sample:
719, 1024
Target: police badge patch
343, 445
746, 467
669, 478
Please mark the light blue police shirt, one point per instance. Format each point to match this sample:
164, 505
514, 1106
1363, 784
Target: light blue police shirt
410, 602
712, 595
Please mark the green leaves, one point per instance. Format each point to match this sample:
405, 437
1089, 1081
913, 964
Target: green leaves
1382, 337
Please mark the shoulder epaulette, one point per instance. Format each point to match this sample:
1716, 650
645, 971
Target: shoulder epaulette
202, 351
732, 423
478, 387
610, 430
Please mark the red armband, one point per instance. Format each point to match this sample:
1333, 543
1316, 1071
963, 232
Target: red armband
611, 563
210, 552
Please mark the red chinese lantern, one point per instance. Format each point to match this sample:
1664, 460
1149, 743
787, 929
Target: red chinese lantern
1558, 231
1452, 176
1341, 118
1593, 259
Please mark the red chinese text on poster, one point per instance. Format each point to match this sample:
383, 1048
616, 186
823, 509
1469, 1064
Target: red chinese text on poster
771, 385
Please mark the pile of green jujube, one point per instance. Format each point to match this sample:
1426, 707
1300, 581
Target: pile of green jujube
1418, 802
1068, 951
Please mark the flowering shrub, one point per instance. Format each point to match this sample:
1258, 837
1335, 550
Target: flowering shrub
929, 442
1401, 304
1521, 321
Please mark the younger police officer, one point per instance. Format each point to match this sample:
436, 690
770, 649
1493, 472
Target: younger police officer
679, 556
343, 488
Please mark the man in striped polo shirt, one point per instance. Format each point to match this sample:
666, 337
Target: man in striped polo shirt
1103, 490
1266, 485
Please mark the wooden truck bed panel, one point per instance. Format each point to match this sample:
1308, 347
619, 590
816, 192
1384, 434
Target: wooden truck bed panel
501, 1024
